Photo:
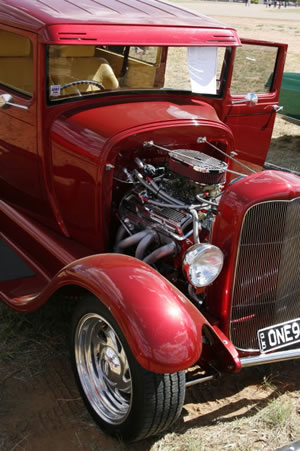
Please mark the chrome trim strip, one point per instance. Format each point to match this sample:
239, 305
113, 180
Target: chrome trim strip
270, 358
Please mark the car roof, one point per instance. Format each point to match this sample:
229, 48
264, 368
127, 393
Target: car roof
41, 15
152, 12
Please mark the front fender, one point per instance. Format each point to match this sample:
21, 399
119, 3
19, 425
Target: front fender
162, 327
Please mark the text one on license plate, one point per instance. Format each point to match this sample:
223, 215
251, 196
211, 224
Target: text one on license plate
279, 335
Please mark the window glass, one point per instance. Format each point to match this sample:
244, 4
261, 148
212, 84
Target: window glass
147, 54
253, 69
182, 70
16, 66
80, 70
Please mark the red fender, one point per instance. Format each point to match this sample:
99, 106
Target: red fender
161, 326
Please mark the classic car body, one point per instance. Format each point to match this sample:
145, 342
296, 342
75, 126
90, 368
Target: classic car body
132, 142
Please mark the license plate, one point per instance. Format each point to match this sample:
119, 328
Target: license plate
279, 336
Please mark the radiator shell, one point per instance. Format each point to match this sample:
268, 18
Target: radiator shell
240, 198
267, 273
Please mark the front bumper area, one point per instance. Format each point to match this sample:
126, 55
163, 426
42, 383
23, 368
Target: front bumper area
273, 357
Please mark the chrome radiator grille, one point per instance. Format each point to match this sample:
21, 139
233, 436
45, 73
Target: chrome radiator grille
267, 278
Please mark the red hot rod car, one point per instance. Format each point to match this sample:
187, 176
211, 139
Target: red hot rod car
132, 144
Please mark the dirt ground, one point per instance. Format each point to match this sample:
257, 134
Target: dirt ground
258, 409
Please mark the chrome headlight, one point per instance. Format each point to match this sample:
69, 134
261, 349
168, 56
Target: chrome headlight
202, 264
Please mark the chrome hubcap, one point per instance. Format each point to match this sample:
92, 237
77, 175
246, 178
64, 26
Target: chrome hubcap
103, 368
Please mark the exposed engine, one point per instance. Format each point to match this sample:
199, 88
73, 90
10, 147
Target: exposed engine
170, 207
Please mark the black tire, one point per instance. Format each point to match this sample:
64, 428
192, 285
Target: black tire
125, 399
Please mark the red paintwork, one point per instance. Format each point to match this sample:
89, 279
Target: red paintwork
107, 138
139, 35
37, 14
161, 325
64, 22
56, 194
251, 126
268, 185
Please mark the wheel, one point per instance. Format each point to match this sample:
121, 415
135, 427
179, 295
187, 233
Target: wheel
82, 82
124, 398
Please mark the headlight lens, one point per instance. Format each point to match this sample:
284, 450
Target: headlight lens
202, 264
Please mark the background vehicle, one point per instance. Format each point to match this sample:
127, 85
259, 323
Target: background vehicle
131, 148
290, 97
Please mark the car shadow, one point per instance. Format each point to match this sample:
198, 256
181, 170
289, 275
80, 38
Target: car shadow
240, 395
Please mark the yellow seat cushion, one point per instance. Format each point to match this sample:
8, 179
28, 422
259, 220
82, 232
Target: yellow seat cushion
74, 63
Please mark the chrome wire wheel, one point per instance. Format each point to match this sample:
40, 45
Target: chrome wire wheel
103, 368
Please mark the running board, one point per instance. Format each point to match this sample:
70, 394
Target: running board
274, 357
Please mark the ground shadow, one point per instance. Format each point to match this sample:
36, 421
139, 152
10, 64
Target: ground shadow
40, 406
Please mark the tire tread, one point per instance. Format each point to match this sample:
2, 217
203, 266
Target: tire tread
165, 393
158, 398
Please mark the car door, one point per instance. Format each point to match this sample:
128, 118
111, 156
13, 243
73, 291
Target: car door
251, 99
19, 179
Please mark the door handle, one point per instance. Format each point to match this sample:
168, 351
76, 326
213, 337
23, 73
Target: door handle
250, 98
5, 99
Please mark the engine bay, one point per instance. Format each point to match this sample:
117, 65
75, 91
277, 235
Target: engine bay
170, 206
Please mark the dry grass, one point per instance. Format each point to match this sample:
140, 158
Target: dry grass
271, 426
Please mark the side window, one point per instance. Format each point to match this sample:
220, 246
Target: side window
16, 64
253, 69
200, 69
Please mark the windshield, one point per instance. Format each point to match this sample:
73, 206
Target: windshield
81, 70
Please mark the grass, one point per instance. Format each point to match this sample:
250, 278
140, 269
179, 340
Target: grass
277, 414
268, 383
26, 340
271, 426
